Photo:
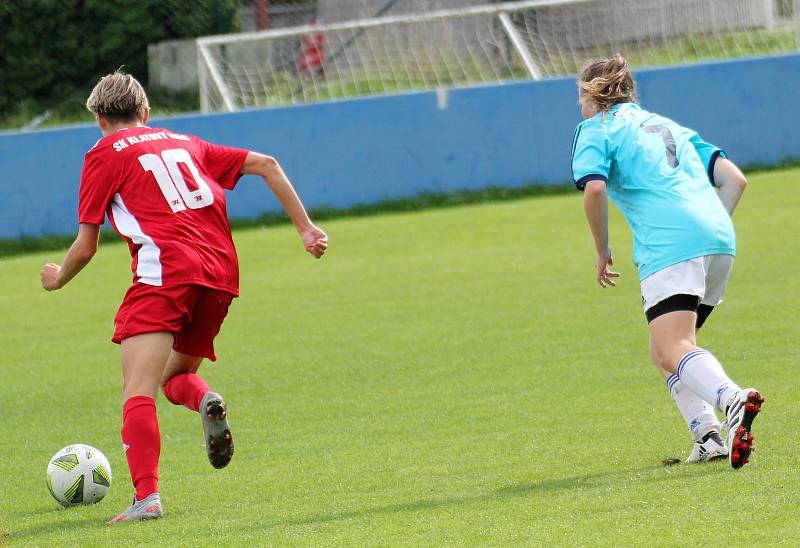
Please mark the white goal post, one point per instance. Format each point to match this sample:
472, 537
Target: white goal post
512, 40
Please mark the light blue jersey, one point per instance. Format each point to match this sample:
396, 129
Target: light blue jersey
660, 175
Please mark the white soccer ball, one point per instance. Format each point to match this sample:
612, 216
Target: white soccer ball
78, 474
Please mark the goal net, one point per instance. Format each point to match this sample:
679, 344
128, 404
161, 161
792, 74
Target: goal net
480, 43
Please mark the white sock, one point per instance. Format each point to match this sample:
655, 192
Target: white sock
700, 371
698, 414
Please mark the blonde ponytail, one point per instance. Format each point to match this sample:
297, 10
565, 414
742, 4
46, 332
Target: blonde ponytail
608, 82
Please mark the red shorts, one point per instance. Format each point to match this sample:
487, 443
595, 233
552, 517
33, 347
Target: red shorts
192, 313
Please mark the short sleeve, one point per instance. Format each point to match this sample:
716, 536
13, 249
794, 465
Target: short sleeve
224, 164
96, 190
708, 154
590, 159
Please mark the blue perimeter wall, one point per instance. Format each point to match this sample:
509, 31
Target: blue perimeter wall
359, 151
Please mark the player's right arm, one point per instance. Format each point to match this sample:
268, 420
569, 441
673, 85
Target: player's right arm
590, 168
314, 238
97, 186
595, 206
80, 253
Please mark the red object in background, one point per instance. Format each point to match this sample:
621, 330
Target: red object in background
312, 52
262, 14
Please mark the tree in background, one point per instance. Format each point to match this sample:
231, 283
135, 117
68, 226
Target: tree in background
51, 49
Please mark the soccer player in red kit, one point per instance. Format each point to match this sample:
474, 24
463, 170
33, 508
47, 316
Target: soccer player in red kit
163, 194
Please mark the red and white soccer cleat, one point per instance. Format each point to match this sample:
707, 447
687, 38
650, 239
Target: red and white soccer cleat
740, 419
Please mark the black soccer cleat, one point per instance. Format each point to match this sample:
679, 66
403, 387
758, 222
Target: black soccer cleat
219, 441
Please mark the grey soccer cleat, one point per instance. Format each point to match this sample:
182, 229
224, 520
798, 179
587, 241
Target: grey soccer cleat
140, 510
219, 442
708, 449
740, 415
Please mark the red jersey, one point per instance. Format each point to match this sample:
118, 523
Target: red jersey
163, 193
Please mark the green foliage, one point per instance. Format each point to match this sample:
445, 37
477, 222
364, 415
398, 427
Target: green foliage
449, 377
73, 109
51, 49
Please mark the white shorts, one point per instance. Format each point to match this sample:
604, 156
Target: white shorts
706, 277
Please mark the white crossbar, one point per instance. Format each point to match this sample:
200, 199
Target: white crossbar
491, 9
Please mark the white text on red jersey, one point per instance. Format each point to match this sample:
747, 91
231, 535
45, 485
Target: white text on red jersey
125, 142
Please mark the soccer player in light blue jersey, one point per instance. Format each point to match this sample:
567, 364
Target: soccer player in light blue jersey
677, 194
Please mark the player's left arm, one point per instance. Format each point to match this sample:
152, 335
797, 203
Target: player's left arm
78, 256
728, 179
730, 183
314, 238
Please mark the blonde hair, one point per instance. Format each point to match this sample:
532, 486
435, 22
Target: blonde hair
118, 97
608, 82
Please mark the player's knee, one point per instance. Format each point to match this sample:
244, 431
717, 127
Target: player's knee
664, 356
166, 388
165, 380
658, 357
668, 356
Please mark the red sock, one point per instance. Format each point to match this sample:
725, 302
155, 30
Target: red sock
142, 443
186, 389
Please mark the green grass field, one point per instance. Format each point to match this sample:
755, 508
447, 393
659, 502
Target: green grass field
446, 377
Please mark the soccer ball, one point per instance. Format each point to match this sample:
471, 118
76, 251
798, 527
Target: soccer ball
78, 474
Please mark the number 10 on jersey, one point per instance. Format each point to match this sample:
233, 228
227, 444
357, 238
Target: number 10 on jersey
172, 183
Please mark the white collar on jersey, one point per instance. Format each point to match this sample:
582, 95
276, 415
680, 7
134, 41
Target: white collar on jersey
124, 128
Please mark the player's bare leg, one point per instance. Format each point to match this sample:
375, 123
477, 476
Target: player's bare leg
178, 363
672, 336
143, 360
183, 386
